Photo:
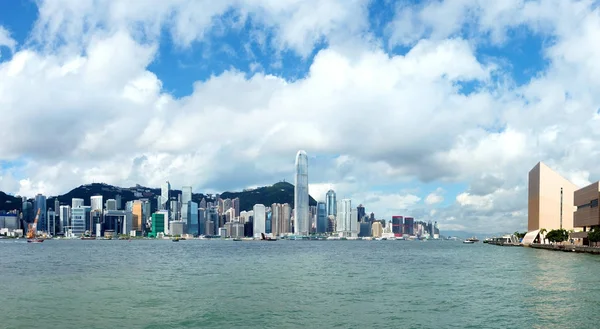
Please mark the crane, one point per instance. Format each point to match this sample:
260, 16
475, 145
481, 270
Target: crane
32, 229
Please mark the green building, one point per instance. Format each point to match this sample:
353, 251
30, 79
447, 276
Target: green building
158, 224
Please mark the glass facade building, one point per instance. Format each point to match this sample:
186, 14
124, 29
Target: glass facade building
331, 203
40, 203
322, 221
301, 216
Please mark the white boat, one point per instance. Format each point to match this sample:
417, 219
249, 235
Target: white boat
469, 241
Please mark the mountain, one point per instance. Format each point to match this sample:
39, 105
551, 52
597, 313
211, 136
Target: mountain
9, 202
281, 192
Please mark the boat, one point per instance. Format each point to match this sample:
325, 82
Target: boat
469, 241
175, 239
474, 239
88, 238
237, 239
265, 238
35, 240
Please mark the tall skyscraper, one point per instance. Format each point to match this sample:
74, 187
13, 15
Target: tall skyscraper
137, 214
331, 203
164, 195
259, 220
301, 219
397, 225
65, 218
203, 203
286, 219
96, 202
56, 207
360, 212
321, 217
192, 220
344, 217
40, 203
235, 204
119, 202
186, 195
409, 225
111, 204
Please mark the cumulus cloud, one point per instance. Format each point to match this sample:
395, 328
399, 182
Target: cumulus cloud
435, 197
6, 40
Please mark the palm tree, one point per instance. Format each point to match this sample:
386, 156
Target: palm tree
542, 232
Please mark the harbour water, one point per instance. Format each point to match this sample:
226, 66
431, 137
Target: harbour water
294, 284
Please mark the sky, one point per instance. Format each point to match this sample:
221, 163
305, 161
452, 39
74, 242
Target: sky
433, 109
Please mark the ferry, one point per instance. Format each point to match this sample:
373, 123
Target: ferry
469, 241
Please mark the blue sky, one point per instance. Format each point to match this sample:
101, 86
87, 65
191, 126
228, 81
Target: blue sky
408, 102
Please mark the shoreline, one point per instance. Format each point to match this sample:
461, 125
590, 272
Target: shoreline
567, 248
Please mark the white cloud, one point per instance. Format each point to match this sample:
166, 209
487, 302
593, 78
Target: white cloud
435, 197
6, 40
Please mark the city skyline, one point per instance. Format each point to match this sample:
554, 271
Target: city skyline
397, 107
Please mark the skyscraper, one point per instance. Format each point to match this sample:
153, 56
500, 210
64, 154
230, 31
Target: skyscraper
344, 218
137, 214
76, 203
186, 195
331, 203
321, 218
301, 218
96, 202
397, 225
259, 220
360, 212
40, 203
111, 204
65, 216
164, 195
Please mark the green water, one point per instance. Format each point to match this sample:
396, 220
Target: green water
294, 284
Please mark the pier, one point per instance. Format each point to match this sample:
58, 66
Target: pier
567, 248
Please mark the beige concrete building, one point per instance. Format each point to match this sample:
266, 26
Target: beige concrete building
551, 200
376, 230
137, 215
587, 214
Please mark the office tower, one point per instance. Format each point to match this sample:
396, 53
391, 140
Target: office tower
259, 220
331, 224
192, 221
165, 192
212, 220
409, 226
201, 221
376, 229
235, 204
78, 220
158, 224
360, 212
186, 194
286, 219
76, 203
365, 229
397, 225
436, 230
301, 218
276, 214
56, 207
248, 229
111, 204
119, 201
372, 217
65, 216
40, 203
137, 215
129, 206
146, 214
96, 202
331, 203
268, 220
51, 222
343, 218
430, 228
229, 215
551, 200
27, 211
322, 222
202, 203
227, 204
174, 210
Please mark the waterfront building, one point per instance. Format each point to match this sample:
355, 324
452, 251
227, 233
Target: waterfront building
40, 204
111, 204
346, 219
360, 212
235, 204
331, 203
27, 211
322, 222
76, 203
202, 203
96, 220
209, 228
301, 198
409, 226
212, 220
201, 221
176, 227
65, 218
137, 213
248, 229
222, 231
397, 225
587, 213
96, 202
365, 229
9, 221
158, 224
236, 230
51, 222
376, 229
551, 200
192, 220
78, 221
56, 209
117, 222
119, 201
165, 194
259, 220
286, 218
186, 194
331, 224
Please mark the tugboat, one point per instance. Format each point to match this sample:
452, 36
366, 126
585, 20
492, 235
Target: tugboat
265, 238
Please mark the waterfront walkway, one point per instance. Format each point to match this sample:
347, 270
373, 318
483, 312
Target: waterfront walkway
567, 248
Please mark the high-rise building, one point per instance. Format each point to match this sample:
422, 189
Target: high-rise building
76, 203
111, 204
301, 218
40, 204
321, 218
376, 229
165, 192
78, 220
259, 220
65, 218
397, 225
268, 220
360, 212
202, 203
137, 215
51, 222
331, 203
235, 204
409, 225
286, 218
119, 202
551, 200
158, 224
56, 207
186, 194
192, 220
96, 202
201, 221
344, 218
365, 229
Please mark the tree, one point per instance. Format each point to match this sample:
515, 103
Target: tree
558, 235
594, 235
